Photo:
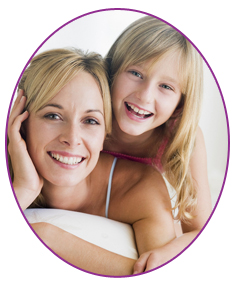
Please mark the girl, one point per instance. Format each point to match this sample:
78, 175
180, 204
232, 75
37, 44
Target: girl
55, 161
156, 86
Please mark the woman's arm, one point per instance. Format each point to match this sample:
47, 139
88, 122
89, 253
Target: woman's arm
198, 166
27, 183
83, 254
151, 218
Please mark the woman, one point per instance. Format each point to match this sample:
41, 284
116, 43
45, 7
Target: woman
54, 148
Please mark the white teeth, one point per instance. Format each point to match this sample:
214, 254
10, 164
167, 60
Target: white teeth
146, 113
66, 160
140, 111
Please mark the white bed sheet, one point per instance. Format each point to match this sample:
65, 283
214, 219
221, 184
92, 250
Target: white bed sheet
109, 234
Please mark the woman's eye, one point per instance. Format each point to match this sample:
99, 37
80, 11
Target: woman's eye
91, 121
135, 74
52, 116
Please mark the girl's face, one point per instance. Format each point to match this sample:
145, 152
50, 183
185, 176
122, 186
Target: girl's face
65, 136
145, 96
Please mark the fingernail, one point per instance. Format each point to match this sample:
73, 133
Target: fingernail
18, 92
22, 98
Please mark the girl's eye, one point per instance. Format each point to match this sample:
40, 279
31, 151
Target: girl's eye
91, 121
166, 87
52, 116
135, 74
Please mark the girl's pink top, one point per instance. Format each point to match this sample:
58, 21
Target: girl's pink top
148, 161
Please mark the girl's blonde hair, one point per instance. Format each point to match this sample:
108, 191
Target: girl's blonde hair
151, 39
50, 71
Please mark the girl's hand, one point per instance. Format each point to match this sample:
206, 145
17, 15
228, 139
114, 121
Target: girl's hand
150, 260
27, 183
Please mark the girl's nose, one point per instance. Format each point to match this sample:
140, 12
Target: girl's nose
71, 136
146, 93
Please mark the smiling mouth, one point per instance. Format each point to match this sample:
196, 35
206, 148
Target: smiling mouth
140, 113
66, 160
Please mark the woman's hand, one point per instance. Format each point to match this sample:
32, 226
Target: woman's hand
27, 183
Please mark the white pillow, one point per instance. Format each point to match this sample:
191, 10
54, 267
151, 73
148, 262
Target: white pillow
109, 234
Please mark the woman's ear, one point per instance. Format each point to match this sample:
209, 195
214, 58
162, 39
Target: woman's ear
23, 126
23, 129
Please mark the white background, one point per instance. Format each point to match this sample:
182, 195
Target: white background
26, 262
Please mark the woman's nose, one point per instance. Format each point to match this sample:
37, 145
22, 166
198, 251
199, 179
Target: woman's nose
71, 135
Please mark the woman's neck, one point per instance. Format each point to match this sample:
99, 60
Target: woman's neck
88, 196
73, 198
121, 142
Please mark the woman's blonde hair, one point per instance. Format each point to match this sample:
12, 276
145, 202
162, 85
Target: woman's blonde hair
151, 39
50, 71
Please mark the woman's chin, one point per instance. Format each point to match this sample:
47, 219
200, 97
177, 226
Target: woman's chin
64, 180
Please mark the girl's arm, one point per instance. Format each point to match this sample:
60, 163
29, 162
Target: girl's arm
27, 183
198, 166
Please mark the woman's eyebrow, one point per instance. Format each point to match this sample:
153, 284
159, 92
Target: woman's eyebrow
93, 110
61, 107
52, 105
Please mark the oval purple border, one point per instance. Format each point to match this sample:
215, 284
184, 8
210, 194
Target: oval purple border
228, 132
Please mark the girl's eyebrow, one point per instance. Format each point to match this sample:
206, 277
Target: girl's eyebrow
135, 66
170, 79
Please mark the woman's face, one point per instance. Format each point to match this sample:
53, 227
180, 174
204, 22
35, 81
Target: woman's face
145, 96
65, 136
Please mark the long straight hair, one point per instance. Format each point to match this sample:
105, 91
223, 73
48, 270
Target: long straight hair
151, 39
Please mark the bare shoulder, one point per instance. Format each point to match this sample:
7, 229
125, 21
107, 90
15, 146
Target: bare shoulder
133, 174
140, 198
138, 185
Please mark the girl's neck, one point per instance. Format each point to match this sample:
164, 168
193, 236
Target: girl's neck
139, 146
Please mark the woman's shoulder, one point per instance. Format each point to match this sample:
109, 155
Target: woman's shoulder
127, 166
134, 177
137, 185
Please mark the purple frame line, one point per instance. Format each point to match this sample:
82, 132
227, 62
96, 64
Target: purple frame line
228, 132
